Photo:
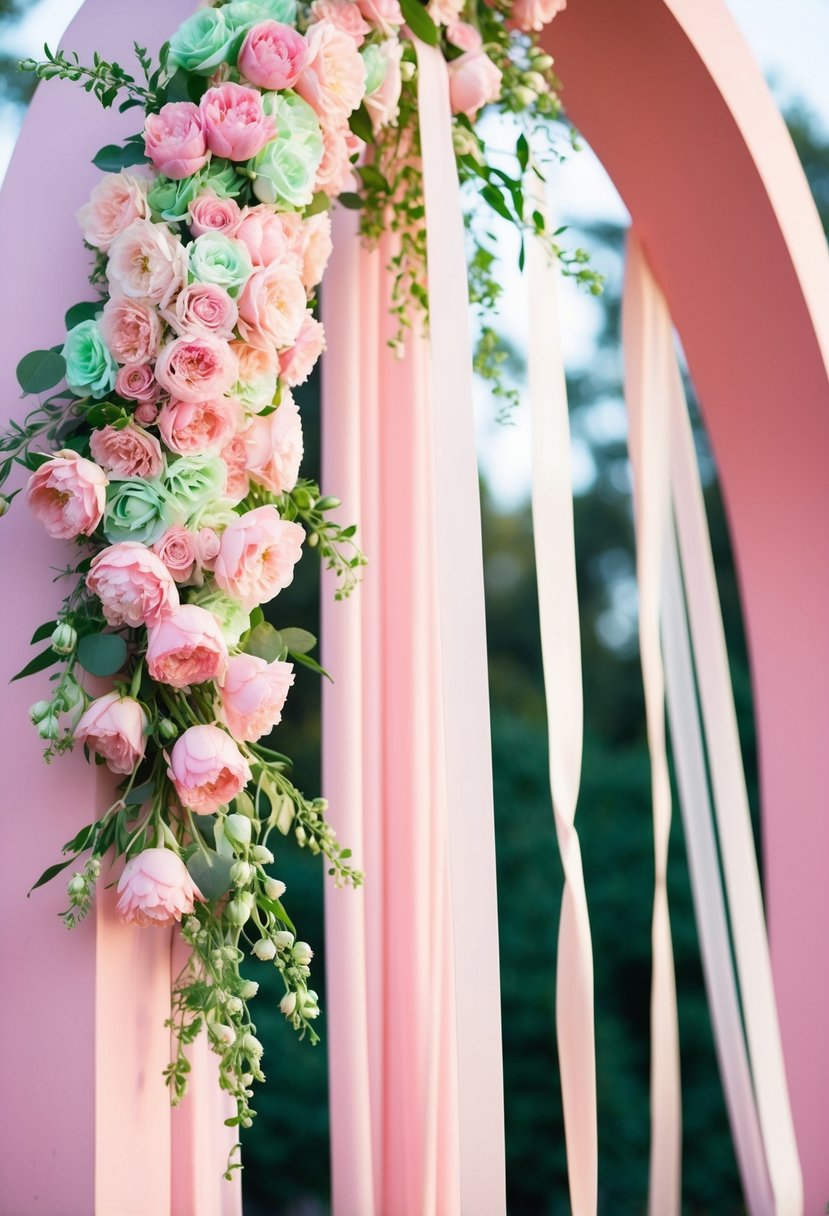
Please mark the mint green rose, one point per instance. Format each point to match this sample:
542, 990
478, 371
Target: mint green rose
375, 66
203, 42
286, 167
242, 15
90, 367
193, 481
232, 618
221, 177
169, 200
216, 258
136, 510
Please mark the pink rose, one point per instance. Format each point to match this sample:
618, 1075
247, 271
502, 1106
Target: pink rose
136, 382
253, 694
207, 769
333, 79
186, 648
155, 888
271, 307
464, 36
235, 456
146, 262
535, 14
174, 139
268, 235
297, 363
474, 80
383, 14
203, 308
235, 122
200, 368
198, 426
257, 556
209, 213
177, 550
128, 452
316, 246
133, 585
345, 14
117, 200
383, 103
146, 413
258, 370
444, 12
131, 330
336, 172
208, 544
273, 55
68, 495
274, 447
115, 727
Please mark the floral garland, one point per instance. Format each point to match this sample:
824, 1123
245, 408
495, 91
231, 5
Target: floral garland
171, 458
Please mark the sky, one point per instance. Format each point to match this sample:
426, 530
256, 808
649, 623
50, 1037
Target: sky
791, 43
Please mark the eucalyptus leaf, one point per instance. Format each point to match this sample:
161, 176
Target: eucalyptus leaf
40, 370
210, 873
298, 641
102, 654
266, 642
85, 311
139, 794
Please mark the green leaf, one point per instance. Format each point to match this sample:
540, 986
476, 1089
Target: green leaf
82, 841
210, 873
373, 178
266, 642
182, 86
298, 641
43, 632
419, 22
102, 654
522, 151
351, 202
51, 873
139, 794
493, 196
360, 124
312, 665
45, 659
39, 370
87, 311
112, 157
320, 202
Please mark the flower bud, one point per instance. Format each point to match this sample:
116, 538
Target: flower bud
241, 873
167, 729
407, 70
288, 1004
246, 1079
302, 498
233, 1006
284, 939
274, 888
308, 1004
238, 912
261, 854
48, 727
264, 949
71, 694
248, 989
524, 96
237, 830
40, 710
536, 82
540, 60
76, 885
64, 638
303, 954
4, 505
252, 1047
223, 1034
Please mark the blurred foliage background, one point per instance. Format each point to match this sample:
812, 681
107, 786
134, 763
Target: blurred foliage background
286, 1152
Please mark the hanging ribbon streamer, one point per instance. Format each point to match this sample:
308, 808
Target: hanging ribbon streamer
462, 640
555, 558
646, 372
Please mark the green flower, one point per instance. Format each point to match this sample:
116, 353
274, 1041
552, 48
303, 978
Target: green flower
216, 258
232, 618
193, 481
203, 42
170, 200
136, 510
375, 67
90, 368
286, 167
221, 177
242, 15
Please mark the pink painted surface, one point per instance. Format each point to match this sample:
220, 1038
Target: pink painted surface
703, 161
89, 1126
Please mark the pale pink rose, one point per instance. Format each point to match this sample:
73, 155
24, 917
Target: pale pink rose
269, 236
274, 447
203, 308
333, 79
174, 139
235, 456
68, 495
384, 15
131, 330
383, 103
186, 648
474, 80
535, 14
178, 551
155, 888
273, 55
253, 694
208, 544
146, 262
316, 245
136, 382
115, 727
444, 12
133, 585
207, 769
117, 200
258, 371
271, 307
200, 368
336, 171
128, 452
257, 556
464, 36
345, 14
235, 123
209, 213
297, 363
198, 426
146, 413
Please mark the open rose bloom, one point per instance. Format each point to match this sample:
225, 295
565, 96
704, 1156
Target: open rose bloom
155, 888
207, 769
115, 727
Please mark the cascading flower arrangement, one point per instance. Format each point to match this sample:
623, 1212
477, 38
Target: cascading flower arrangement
171, 457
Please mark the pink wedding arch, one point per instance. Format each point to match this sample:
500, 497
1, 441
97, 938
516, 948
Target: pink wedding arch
670, 99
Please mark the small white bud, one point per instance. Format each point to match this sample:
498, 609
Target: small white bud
407, 70
77, 885
237, 830
64, 638
252, 1047
238, 912
48, 727
261, 854
4, 505
524, 96
284, 939
40, 710
288, 1004
223, 1034
248, 989
241, 873
303, 954
274, 888
233, 1005
264, 949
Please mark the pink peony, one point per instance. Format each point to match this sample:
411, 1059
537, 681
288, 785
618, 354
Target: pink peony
316, 247
198, 426
384, 15
268, 235
333, 79
146, 413
235, 122
131, 330
474, 80
336, 172
272, 307
177, 550
274, 447
117, 200
200, 368
208, 544
535, 14
273, 55
207, 769
464, 36
146, 262
209, 213
253, 694
445, 12
133, 585
257, 556
383, 103
115, 727
186, 648
203, 308
174, 139
128, 452
136, 382
345, 14
68, 495
297, 363
155, 888
235, 456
